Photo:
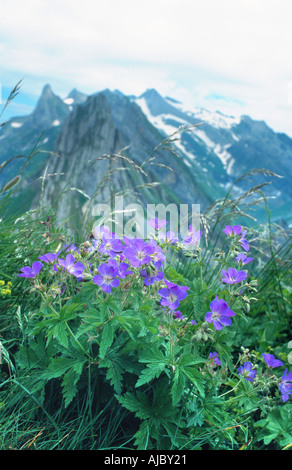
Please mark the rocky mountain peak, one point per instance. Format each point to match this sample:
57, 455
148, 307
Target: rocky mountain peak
49, 111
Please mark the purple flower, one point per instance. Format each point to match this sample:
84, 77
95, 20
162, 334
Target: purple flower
193, 236
122, 268
271, 361
171, 284
111, 246
158, 255
232, 276
247, 371
243, 242
107, 277
31, 272
152, 277
129, 241
241, 258
220, 314
98, 232
232, 231
76, 269
172, 296
157, 224
170, 237
71, 248
139, 253
285, 386
178, 315
215, 358
49, 258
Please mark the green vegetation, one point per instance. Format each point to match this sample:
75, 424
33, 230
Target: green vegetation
89, 365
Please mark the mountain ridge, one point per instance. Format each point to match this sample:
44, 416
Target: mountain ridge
210, 156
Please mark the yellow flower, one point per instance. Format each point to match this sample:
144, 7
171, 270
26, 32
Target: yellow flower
5, 291
2, 283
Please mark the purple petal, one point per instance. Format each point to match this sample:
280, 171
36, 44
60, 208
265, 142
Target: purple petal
115, 283
164, 292
98, 279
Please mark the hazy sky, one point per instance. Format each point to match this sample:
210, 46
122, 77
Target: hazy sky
227, 55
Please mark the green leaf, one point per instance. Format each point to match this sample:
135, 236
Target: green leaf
197, 301
156, 363
35, 355
60, 366
69, 386
173, 276
68, 312
190, 360
138, 404
151, 372
106, 339
178, 385
60, 332
196, 378
71, 369
114, 372
152, 356
277, 426
142, 436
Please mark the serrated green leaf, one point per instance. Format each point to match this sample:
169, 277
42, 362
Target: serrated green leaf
190, 360
277, 426
114, 372
69, 311
178, 385
196, 378
152, 356
35, 355
151, 372
60, 366
142, 436
60, 333
69, 384
138, 404
197, 301
106, 339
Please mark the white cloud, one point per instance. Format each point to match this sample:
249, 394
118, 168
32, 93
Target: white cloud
240, 50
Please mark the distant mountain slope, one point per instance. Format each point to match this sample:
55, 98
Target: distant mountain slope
104, 124
81, 128
225, 146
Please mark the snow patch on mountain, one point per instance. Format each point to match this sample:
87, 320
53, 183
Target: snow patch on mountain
225, 157
220, 151
16, 125
169, 124
213, 118
68, 101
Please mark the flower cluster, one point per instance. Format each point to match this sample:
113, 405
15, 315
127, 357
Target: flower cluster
5, 290
232, 275
107, 261
249, 373
220, 314
236, 232
113, 259
119, 258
